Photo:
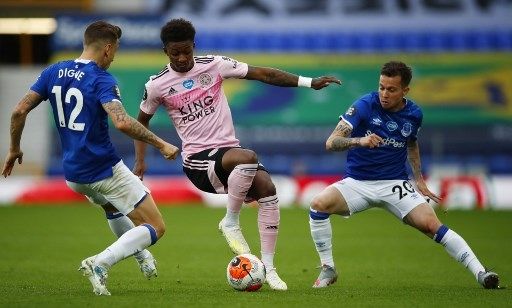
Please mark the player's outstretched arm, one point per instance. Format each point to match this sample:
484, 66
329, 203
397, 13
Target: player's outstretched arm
281, 78
18, 118
140, 147
340, 141
413, 156
134, 129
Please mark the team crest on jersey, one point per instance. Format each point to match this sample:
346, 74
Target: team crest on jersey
406, 129
188, 84
351, 111
116, 91
145, 95
205, 80
391, 125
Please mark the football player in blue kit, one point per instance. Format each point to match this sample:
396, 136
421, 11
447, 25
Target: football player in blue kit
379, 131
83, 95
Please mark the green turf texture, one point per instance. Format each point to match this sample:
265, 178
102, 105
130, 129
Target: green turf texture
381, 261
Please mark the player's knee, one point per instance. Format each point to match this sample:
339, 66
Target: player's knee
429, 225
249, 157
319, 205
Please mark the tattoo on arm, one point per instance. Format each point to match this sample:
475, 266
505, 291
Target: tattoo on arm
342, 143
19, 115
339, 140
116, 112
30, 101
413, 156
343, 129
131, 126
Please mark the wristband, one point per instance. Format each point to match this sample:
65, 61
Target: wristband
304, 82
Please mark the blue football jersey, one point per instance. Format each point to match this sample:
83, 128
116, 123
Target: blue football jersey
388, 161
76, 91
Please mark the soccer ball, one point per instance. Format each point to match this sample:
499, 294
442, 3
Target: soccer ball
246, 273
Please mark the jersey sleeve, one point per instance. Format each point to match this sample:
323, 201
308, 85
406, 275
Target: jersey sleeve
107, 88
231, 68
40, 86
150, 99
356, 113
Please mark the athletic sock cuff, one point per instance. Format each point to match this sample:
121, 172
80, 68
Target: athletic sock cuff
440, 233
247, 167
152, 233
113, 215
270, 199
316, 215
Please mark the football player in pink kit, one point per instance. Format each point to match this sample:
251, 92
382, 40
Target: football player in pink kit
190, 89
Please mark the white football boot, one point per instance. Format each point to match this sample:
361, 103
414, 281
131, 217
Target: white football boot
147, 265
274, 281
96, 274
328, 276
235, 238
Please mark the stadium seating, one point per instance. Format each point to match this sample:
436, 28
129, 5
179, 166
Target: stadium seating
358, 42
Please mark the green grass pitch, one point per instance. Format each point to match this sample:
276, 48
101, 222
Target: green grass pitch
381, 261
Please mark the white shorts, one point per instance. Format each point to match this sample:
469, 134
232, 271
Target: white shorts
396, 196
123, 190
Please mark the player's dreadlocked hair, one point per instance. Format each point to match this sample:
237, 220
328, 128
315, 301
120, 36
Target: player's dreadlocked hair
397, 68
177, 30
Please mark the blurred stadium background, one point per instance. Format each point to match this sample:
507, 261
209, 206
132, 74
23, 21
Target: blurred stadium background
460, 51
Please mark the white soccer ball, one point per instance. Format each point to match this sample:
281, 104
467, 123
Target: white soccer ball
246, 273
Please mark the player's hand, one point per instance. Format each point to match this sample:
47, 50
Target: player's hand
371, 141
323, 81
11, 158
423, 189
139, 169
169, 151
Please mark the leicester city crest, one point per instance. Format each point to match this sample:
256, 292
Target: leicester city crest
406, 129
205, 80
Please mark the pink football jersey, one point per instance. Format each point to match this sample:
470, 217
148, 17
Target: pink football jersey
196, 103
